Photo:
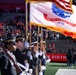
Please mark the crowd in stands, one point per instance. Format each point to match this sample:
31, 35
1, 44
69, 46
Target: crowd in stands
13, 26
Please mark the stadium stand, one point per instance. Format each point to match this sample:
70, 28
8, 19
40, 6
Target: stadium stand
12, 5
62, 46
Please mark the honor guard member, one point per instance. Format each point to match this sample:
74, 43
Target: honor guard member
7, 60
43, 52
28, 51
35, 57
21, 58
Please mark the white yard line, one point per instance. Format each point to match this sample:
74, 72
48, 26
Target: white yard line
66, 72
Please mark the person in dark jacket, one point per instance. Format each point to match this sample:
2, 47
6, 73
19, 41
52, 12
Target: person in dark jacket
21, 58
69, 56
73, 57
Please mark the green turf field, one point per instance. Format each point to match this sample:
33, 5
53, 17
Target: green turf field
51, 68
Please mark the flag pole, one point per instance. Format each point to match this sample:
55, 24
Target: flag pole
26, 20
30, 34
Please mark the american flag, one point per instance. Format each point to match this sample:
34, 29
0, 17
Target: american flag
63, 4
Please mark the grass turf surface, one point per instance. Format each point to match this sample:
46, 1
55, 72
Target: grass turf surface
51, 68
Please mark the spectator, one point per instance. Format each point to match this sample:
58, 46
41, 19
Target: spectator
69, 56
72, 58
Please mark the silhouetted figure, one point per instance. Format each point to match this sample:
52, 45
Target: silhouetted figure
69, 56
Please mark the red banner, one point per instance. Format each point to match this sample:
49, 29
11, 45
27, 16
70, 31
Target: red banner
57, 57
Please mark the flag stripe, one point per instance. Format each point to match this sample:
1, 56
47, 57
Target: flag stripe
65, 5
58, 19
57, 29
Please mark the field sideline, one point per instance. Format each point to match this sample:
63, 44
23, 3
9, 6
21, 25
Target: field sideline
51, 68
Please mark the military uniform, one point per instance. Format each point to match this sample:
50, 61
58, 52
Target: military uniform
20, 56
7, 67
8, 62
18, 52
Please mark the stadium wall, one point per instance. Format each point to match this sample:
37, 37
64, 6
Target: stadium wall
12, 5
